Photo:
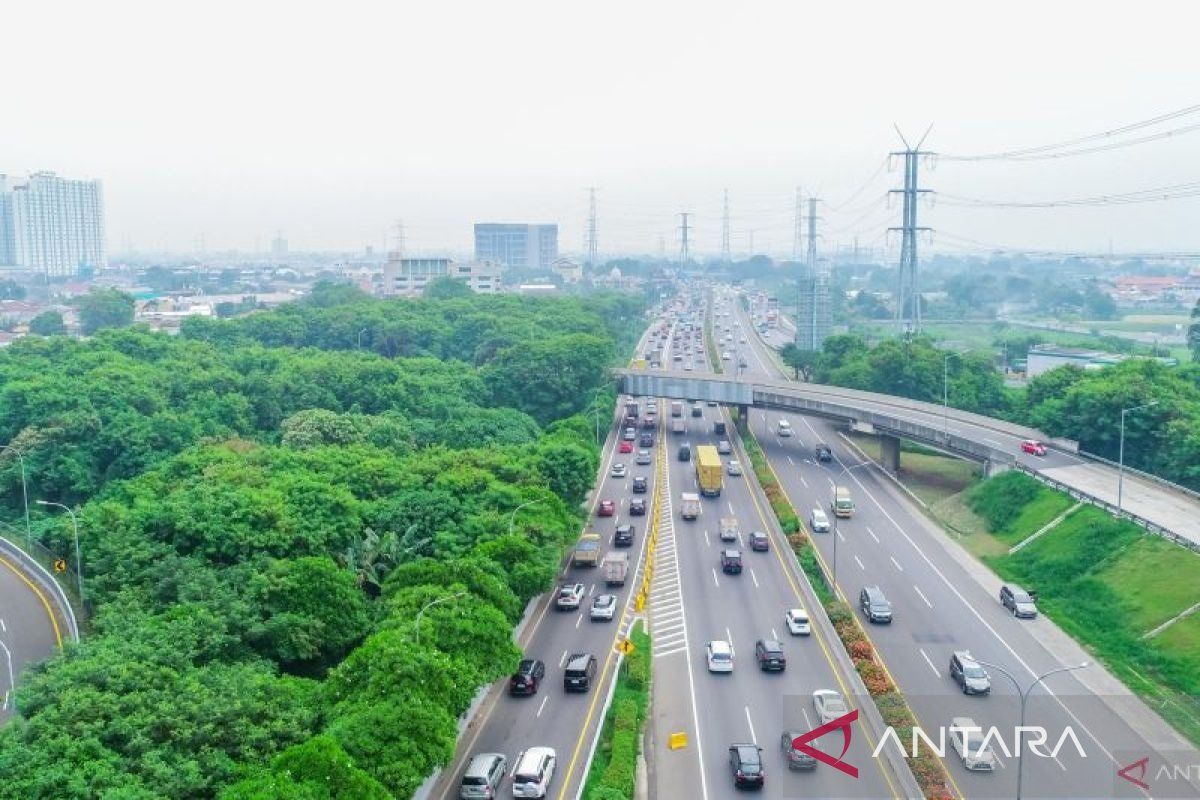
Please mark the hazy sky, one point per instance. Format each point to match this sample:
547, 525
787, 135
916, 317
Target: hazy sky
329, 121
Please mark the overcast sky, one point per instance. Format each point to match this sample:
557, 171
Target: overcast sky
329, 121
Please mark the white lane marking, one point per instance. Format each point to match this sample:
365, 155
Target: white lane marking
668, 630
11, 683
993, 442
578, 621
715, 581
896, 563
790, 461
707, 541
860, 564
807, 722
729, 638
750, 722
741, 541
563, 660
666, 638
659, 652
930, 663
923, 597
753, 578
591, 589
804, 481
731, 511
542, 707
774, 635
873, 536
3, 627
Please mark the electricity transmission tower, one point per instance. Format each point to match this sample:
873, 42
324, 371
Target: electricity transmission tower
797, 235
908, 295
814, 316
684, 228
725, 252
591, 227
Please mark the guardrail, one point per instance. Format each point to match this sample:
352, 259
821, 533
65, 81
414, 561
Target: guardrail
1137, 519
38, 574
1148, 476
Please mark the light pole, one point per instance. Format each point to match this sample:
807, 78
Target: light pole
513, 516
1024, 698
1121, 457
946, 390
24, 492
78, 558
833, 509
431, 604
360, 333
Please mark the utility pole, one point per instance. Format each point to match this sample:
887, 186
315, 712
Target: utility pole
684, 254
591, 227
813, 313
908, 296
812, 235
725, 253
798, 229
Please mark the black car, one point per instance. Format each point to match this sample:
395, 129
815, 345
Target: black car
731, 561
580, 670
646, 440
528, 676
637, 507
759, 542
719, 428
685, 452
823, 452
623, 536
639, 484
770, 656
697, 411
795, 759
745, 761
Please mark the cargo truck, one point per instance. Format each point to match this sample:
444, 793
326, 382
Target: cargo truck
676, 408
587, 551
689, 505
678, 426
708, 470
843, 506
615, 567
728, 529
631, 412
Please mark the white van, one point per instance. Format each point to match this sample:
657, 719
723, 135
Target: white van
534, 770
785, 428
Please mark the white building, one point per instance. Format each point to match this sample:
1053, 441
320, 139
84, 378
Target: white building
408, 277
52, 225
517, 246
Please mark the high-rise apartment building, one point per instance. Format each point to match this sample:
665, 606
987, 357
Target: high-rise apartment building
51, 225
517, 246
814, 311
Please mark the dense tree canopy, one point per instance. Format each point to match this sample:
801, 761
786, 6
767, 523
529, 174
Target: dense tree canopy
104, 308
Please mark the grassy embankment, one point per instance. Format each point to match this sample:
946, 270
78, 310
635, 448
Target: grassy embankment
613, 772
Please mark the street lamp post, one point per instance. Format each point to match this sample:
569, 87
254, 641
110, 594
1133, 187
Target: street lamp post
513, 516
1024, 695
24, 492
1121, 457
833, 510
430, 605
78, 558
360, 333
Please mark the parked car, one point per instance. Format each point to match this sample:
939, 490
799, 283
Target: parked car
797, 622
603, 608
968, 674
569, 596
623, 537
1033, 447
528, 677
769, 653
745, 762
1020, 602
731, 561
875, 606
829, 705
794, 758
719, 656
606, 509
637, 507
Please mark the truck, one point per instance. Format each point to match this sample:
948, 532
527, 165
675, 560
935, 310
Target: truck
843, 506
728, 529
632, 412
676, 408
587, 551
689, 505
708, 470
615, 567
678, 426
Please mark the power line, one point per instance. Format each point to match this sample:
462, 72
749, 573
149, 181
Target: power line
908, 298
842, 205
1174, 132
725, 250
1157, 194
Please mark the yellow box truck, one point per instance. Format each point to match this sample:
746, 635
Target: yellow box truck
708, 470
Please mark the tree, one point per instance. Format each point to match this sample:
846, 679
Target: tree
11, 290
104, 308
47, 323
1193, 335
318, 769
802, 362
447, 288
1099, 305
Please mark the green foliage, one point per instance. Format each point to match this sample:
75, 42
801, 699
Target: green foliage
48, 323
1193, 332
1000, 500
104, 308
447, 289
397, 742
11, 290
318, 769
614, 768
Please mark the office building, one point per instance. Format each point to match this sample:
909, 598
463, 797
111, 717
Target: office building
517, 246
408, 277
52, 225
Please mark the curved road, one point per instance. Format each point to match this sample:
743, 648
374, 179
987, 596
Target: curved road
28, 631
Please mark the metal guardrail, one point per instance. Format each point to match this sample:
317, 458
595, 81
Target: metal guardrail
1137, 519
38, 574
1146, 475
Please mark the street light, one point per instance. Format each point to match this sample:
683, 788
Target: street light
24, 492
833, 509
1024, 698
1121, 458
360, 333
431, 604
513, 516
78, 558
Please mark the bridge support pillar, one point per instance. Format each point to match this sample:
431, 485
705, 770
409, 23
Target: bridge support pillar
889, 453
991, 468
743, 419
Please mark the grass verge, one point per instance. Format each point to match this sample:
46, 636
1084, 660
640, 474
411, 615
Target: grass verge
613, 772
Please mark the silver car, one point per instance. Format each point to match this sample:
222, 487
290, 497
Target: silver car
818, 521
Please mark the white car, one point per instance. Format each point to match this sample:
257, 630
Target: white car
734, 467
829, 705
603, 607
969, 745
534, 770
619, 470
818, 520
726, 356
719, 655
796, 620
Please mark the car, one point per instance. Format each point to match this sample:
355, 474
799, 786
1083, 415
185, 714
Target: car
619, 470
630, 434
968, 674
687, 367
1033, 447
637, 507
724, 447
646, 440
734, 467
643, 458
677, 357
711, 404
534, 770
625, 447
1020, 602
874, 605
759, 542
829, 705
606, 509
685, 452
697, 411
623, 536
603, 607
731, 561
483, 776
640, 484
823, 452
769, 653
794, 758
818, 520
967, 739
718, 654
797, 622
726, 356
570, 595
745, 762
528, 677
579, 672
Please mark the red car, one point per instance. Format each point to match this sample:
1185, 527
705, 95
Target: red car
1033, 447
626, 447
607, 508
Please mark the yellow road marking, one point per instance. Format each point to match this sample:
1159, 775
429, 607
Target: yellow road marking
40, 596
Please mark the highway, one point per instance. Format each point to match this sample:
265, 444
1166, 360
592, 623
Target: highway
943, 601
28, 632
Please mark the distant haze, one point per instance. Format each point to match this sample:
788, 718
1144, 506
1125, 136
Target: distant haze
234, 120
